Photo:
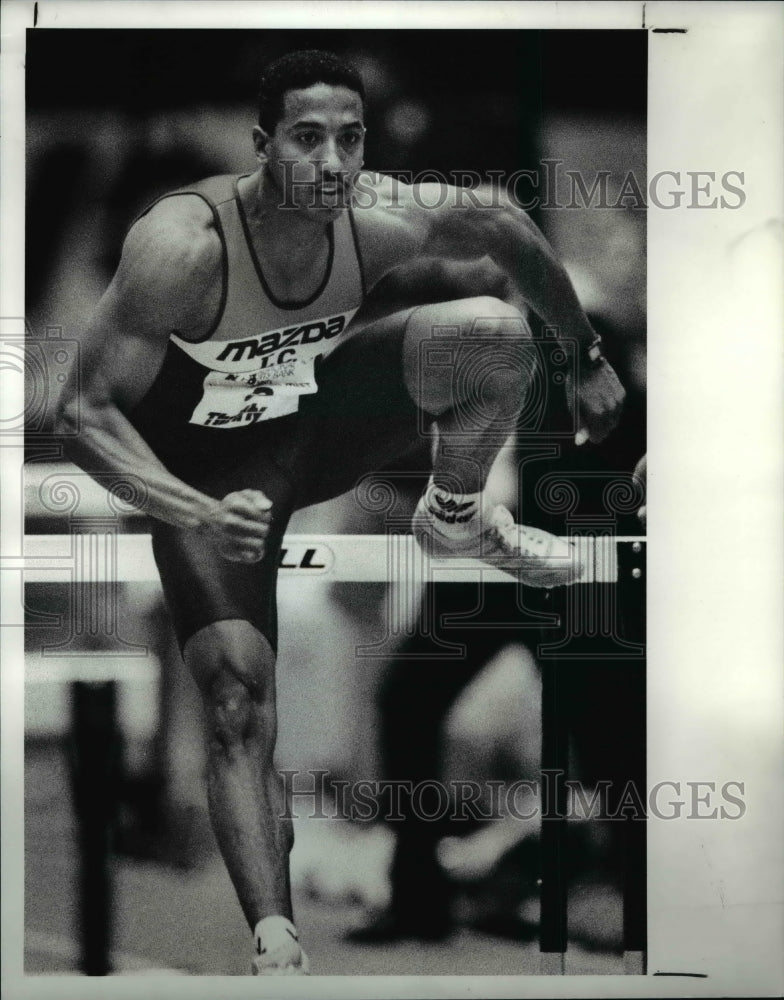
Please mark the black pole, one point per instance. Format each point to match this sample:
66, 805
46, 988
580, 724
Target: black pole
95, 759
632, 592
553, 932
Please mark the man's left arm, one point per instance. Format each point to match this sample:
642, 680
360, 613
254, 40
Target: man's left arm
504, 232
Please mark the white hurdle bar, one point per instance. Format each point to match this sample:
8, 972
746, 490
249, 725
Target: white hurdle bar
113, 557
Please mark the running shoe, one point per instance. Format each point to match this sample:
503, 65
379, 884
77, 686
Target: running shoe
280, 954
533, 556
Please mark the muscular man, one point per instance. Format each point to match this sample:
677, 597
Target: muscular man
221, 375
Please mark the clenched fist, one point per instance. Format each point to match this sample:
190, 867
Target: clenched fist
599, 402
239, 525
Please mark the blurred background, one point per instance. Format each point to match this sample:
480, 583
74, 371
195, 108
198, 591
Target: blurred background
116, 118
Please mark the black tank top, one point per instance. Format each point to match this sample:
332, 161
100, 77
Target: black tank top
261, 354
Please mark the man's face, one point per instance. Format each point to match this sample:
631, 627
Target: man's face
316, 149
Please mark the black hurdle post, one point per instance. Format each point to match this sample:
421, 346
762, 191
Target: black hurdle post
628, 649
553, 930
95, 766
95, 740
631, 607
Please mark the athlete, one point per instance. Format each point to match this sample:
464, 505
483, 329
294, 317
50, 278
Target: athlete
221, 375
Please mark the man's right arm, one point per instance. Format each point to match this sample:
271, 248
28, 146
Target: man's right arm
168, 279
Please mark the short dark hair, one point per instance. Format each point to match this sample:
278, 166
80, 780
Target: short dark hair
299, 70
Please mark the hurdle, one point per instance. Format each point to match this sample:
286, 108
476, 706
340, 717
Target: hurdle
607, 606
619, 572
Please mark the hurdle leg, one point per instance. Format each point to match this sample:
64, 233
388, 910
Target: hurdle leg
553, 930
632, 566
634, 832
634, 899
94, 780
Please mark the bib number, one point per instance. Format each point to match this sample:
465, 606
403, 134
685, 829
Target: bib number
238, 400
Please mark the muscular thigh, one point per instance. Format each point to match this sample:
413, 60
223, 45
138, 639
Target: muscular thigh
201, 586
363, 416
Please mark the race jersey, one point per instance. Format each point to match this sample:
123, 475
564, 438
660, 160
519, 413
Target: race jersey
261, 354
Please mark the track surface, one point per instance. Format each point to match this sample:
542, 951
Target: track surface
190, 922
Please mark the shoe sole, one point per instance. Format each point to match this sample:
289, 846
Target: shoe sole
543, 576
302, 969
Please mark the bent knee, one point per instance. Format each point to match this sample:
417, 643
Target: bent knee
488, 308
234, 668
494, 320
463, 319
452, 347
501, 326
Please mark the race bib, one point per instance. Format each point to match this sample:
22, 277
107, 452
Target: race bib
238, 399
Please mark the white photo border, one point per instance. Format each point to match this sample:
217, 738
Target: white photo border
715, 479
